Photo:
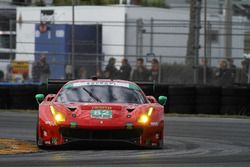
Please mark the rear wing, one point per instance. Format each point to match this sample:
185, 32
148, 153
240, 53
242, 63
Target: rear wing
149, 88
54, 85
64, 81
57, 81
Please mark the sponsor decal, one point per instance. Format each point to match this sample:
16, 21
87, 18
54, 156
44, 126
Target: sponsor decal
129, 125
131, 86
20, 67
102, 108
50, 123
54, 140
45, 133
101, 114
99, 83
154, 123
154, 144
47, 142
73, 124
68, 86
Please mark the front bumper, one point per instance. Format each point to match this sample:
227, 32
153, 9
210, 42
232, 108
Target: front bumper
132, 136
140, 136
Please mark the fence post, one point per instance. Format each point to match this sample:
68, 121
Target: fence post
73, 40
159, 78
205, 44
151, 34
139, 37
97, 47
197, 39
11, 40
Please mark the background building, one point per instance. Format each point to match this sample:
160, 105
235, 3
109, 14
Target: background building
133, 31
240, 7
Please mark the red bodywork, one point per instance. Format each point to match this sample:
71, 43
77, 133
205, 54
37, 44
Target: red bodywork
80, 126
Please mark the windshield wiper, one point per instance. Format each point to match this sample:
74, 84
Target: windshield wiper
92, 95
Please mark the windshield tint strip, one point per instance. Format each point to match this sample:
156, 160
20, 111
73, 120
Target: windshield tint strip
79, 84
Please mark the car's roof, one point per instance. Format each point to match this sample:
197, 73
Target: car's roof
100, 80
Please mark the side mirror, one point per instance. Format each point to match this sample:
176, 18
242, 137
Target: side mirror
151, 99
162, 100
39, 98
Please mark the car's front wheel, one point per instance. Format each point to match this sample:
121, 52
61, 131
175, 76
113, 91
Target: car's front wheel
39, 142
160, 144
161, 141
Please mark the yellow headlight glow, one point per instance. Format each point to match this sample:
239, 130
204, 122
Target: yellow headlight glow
150, 110
143, 119
59, 117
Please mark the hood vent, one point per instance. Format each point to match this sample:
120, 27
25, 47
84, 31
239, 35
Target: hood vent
131, 108
72, 108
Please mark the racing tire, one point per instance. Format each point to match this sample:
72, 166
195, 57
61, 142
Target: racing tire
161, 144
38, 144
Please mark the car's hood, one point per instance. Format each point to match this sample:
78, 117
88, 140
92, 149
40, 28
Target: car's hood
102, 114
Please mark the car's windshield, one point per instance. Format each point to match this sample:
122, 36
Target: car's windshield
105, 94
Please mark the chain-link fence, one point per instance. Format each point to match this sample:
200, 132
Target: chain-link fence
156, 50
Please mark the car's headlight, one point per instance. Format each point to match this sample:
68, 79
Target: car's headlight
59, 117
144, 118
150, 111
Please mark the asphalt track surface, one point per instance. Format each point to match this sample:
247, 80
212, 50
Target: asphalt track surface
189, 142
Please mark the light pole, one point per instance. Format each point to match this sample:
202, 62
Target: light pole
205, 44
196, 48
73, 40
228, 28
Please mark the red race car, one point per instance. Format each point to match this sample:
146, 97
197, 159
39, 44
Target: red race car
100, 110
